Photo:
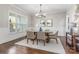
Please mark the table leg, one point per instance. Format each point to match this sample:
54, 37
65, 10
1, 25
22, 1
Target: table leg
47, 40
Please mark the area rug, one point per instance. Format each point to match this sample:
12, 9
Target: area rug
52, 46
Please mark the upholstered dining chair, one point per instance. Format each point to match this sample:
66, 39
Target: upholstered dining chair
41, 36
76, 42
53, 36
31, 36
69, 39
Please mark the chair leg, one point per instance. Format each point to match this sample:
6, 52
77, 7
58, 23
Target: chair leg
27, 41
44, 43
33, 41
37, 41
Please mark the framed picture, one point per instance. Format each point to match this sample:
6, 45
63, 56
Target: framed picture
49, 23
43, 23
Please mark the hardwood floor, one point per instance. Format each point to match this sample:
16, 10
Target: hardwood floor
67, 49
11, 48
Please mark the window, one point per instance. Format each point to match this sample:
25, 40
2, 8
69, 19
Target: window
12, 22
17, 23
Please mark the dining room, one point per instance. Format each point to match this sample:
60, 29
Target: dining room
39, 29
45, 28
34, 28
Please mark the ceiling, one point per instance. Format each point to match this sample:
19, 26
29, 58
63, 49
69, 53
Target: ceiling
46, 8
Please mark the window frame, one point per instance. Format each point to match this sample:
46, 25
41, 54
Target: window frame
18, 24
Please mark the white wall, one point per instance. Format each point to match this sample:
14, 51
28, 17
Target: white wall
58, 22
5, 34
3, 15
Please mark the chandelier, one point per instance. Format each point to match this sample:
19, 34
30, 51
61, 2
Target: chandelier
40, 14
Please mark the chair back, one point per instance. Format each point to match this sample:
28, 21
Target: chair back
30, 35
41, 35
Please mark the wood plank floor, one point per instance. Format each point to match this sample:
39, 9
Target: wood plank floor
11, 48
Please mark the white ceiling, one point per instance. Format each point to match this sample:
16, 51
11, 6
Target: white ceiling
46, 8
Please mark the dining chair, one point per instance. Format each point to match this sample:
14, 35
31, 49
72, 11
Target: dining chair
72, 41
41, 37
69, 39
53, 36
31, 36
76, 42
